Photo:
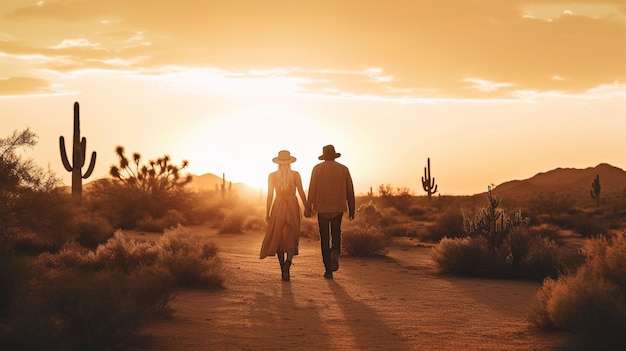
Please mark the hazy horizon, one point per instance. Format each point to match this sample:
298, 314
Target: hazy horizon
490, 91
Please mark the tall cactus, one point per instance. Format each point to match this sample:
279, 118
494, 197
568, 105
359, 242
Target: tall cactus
428, 183
79, 147
595, 190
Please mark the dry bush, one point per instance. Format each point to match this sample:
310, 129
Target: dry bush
190, 260
462, 256
11, 274
586, 225
404, 230
205, 206
448, 224
232, 223
80, 299
193, 262
522, 255
590, 301
170, 219
532, 256
390, 216
29, 243
125, 254
358, 240
254, 222
548, 231
80, 310
92, 229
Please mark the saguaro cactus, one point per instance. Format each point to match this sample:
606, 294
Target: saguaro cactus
428, 183
79, 147
595, 190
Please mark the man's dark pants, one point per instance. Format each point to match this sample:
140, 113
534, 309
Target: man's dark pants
330, 227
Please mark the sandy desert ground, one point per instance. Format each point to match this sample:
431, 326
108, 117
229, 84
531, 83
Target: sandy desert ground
396, 302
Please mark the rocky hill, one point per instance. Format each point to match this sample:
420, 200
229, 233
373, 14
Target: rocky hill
572, 181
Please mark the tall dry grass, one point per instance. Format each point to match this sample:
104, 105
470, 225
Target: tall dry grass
591, 301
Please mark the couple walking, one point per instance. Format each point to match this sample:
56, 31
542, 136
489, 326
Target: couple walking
331, 193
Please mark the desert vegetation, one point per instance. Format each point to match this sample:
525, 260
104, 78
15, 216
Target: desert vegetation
71, 276
70, 279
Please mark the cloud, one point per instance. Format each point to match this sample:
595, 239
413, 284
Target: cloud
424, 49
24, 86
72, 43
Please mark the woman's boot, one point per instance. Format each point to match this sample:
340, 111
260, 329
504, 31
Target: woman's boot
281, 261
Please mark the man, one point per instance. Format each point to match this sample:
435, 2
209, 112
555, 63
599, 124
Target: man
331, 193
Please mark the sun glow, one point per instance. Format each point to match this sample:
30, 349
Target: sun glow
242, 143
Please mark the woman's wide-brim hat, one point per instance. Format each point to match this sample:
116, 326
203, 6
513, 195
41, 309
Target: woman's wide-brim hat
284, 157
328, 153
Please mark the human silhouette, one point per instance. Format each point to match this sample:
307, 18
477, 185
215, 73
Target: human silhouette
283, 214
331, 193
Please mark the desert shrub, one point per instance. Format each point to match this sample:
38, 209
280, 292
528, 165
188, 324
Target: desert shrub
138, 191
550, 205
531, 256
25, 188
462, 256
399, 198
546, 230
419, 213
170, 219
511, 250
402, 230
11, 272
204, 206
92, 229
81, 310
194, 263
191, 261
81, 299
254, 223
390, 216
120, 253
448, 224
358, 240
590, 301
30, 243
232, 223
583, 224
522, 255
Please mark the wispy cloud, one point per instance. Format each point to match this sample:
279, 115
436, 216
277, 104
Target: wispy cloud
395, 49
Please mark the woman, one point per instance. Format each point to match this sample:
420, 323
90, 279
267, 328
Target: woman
283, 214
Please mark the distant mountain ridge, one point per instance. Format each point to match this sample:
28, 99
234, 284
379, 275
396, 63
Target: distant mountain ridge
573, 181
212, 182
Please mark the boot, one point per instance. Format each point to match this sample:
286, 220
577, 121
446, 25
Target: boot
281, 261
285, 269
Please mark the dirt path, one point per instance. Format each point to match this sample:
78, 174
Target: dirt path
396, 302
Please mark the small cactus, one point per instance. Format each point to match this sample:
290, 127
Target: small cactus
79, 147
428, 183
595, 190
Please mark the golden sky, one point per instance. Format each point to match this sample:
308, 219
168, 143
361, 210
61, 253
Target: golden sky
490, 90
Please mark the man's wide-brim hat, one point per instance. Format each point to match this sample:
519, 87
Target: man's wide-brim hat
329, 153
284, 157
